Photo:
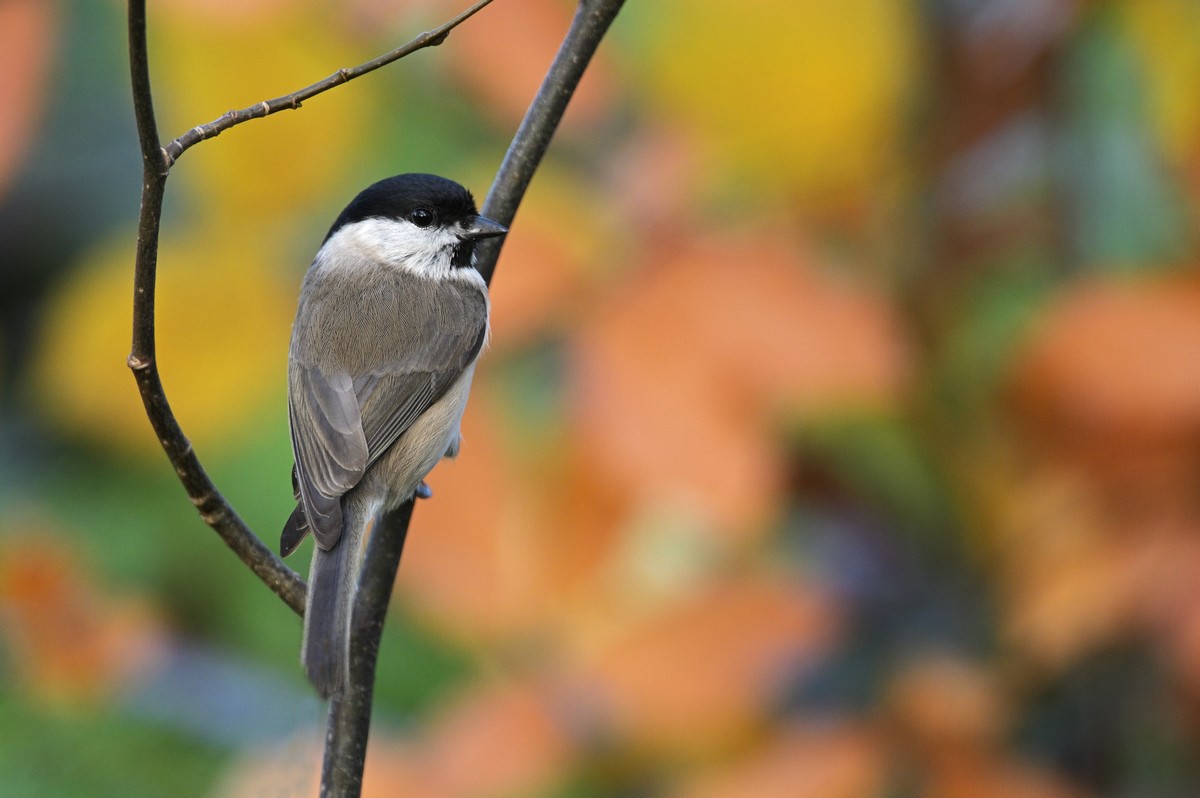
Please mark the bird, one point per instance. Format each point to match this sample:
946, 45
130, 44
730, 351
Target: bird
391, 320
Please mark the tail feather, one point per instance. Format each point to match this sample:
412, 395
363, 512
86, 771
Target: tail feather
325, 651
293, 532
333, 583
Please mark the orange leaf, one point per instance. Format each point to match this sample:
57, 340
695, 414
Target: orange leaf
505, 547
497, 740
28, 29
503, 54
985, 779
677, 375
542, 279
705, 668
945, 707
1117, 358
68, 641
1109, 385
1066, 608
493, 742
656, 175
817, 762
1068, 582
1170, 598
466, 562
581, 527
293, 767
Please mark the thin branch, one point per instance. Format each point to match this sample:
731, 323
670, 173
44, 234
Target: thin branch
349, 718
290, 102
212, 506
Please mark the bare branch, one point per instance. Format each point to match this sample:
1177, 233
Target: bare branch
212, 506
349, 715
290, 102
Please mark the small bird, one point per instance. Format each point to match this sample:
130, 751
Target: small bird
391, 320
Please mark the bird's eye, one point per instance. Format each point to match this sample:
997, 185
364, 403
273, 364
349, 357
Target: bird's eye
421, 217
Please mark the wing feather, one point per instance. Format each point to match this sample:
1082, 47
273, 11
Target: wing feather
342, 423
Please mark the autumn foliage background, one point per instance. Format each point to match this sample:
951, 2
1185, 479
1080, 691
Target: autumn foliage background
839, 436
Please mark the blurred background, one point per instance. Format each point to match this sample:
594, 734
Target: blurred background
839, 436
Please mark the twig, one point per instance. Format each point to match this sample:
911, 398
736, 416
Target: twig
290, 102
349, 715
213, 507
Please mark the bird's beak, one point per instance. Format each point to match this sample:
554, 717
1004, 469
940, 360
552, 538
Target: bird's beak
482, 227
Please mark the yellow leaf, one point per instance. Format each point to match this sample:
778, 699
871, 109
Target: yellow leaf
1165, 33
223, 324
273, 166
802, 95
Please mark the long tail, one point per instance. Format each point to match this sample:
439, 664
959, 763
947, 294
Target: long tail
332, 583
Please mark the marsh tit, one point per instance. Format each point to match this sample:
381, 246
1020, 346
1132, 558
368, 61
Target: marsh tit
392, 318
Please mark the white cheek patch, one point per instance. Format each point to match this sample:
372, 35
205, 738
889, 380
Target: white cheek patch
423, 251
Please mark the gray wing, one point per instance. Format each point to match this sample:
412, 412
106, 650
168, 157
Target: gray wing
329, 445
396, 396
341, 425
